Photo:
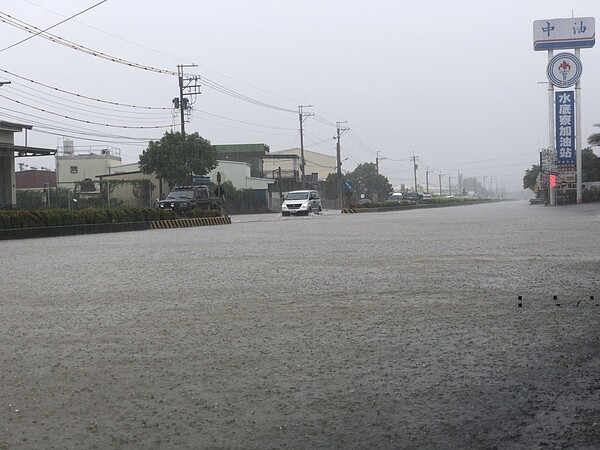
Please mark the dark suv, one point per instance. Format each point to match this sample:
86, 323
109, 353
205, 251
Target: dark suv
185, 198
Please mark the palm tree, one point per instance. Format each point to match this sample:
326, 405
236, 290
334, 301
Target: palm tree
594, 139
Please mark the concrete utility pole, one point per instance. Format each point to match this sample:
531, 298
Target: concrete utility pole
193, 88
427, 172
449, 185
303, 117
414, 159
377, 160
440, 176
339, 190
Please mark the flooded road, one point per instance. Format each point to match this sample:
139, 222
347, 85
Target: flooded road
381, 330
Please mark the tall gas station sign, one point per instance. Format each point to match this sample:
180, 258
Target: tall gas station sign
564, 106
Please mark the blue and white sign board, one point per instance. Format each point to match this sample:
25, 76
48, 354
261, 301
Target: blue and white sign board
564, 102
549, 165
564, 70
558, 34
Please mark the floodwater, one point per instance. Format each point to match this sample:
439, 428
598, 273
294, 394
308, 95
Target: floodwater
328, 331
512, 247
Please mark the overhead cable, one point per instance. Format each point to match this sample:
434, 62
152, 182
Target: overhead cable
84, 121
53, 26
83, 96
58, 40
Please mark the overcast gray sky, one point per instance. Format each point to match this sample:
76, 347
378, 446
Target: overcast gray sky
457, 83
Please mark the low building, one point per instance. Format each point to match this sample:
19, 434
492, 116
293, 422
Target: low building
249, 153
317, 166
8, 152
76, 165
35, 179
128, 186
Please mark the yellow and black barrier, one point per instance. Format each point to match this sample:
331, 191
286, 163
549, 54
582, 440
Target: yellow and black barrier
184, 223
349, 210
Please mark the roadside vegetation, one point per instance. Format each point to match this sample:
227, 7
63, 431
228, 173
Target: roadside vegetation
434, 201
90, 216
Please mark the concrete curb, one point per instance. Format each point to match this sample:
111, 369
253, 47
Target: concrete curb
184, 223
72, 230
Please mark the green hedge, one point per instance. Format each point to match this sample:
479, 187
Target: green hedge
62, 217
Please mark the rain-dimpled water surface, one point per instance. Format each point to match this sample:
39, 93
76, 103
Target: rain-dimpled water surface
382, 330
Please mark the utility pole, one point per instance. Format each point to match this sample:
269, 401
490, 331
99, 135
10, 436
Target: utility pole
339, 189
414, 159
303, 117
427, 172
189, 84
441, 174
377, 160
449, 185
187, 87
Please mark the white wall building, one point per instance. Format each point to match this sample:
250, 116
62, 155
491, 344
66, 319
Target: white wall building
237, 172
75, 166
314, 163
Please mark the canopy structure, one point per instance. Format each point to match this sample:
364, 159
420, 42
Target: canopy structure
8, 152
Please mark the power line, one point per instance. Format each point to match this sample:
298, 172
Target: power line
41, 122
97, 111
84, 121
359, 141
53, 26
224, 90
170, 56
58, 40
83, 96
209, 83
245, 123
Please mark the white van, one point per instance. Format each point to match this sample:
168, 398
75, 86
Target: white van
301, 203
395, 197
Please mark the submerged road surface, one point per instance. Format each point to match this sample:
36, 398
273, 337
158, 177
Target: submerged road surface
383, 330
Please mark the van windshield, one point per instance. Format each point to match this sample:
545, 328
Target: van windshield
297, 196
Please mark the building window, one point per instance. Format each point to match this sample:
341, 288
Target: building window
74, 169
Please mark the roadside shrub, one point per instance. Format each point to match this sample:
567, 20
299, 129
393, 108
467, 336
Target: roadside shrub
61, 217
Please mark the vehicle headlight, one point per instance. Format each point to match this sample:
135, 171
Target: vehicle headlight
172, 204
283, 206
